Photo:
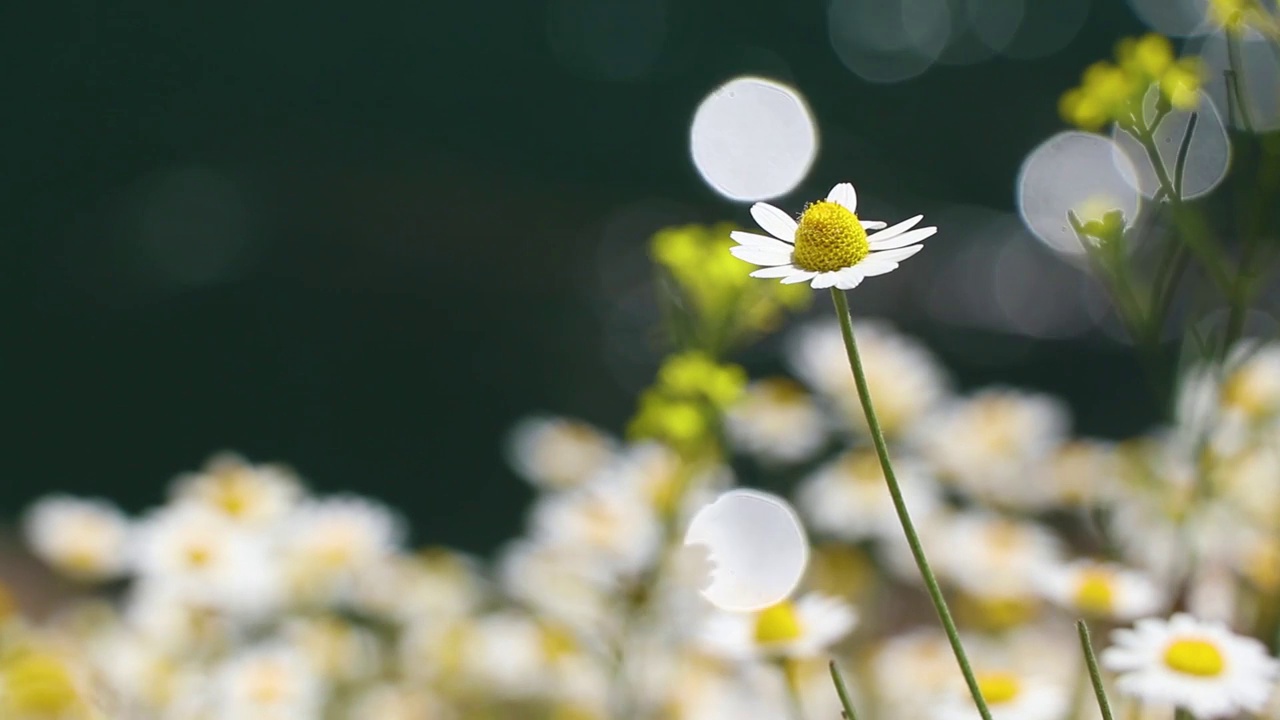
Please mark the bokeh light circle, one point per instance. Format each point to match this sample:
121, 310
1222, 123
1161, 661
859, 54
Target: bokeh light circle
1079, 172
1176, 18
754, 547
1259, 81
753, 139
1208, 154
888, 41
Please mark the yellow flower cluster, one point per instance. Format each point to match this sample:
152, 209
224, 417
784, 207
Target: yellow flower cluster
1236, 16
683, 406
724, 304
1113, 92
35, 684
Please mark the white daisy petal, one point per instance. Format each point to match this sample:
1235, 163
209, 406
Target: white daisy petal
777, 271
850, 278
898, 229
895, 255
872, 224
872, 268
826, 280
799, 277
760, 256
774, 221
906, 238
845, 195
763, 241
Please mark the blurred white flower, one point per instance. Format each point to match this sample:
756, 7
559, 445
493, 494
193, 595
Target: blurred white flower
327, 542
995, 444
82, 538
1189, 663
388, 701
1011, 694
340, 652
751, 547
558, 452
605, 522
256, 495
509, 654
829, 246
550, 580
801, 628
905, 379
910, 671
207, 559
268, 682
1082, 473
847, 497
437, 583
994, 557
1102, 590
776, 421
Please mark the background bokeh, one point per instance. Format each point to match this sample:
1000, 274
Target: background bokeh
365, 238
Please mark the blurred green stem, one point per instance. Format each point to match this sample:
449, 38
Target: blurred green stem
900, 505
1095, 676
842, 690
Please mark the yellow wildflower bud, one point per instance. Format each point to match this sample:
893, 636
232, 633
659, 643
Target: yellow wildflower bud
1181, 83
1077, 108
1148, 56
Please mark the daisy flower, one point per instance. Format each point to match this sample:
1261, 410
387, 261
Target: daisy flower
269, 682
776, 421
1200, 666
558, 452
1102, 590
328, 542
255, 495
847, 497
799, 629
1011, 694
829, 246
84, 539
991, 556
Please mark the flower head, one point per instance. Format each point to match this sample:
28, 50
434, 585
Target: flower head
1189, 663
800, 628
85, 539
829, 245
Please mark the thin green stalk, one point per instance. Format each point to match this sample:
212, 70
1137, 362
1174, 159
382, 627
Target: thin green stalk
1095, 676
842, 691
900, 505
1236, 63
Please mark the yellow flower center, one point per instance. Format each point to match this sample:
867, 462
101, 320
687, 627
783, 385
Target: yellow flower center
778, 624
998, 687
1194, 657
1094, 592
829, 238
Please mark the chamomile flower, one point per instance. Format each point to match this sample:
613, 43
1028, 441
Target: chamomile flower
558, 452
270, 682
1011, 694
801, 628
829, 245
905, 379
1189, 663
1103, 590
847, 498
776, 421
328, 542
84, 539
387, 701
606, 523
253, 494
990, 556
910, 671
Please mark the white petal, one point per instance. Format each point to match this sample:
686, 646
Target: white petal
872, 268
760, 241
774, 221
826, 280
761, 256
871, 224
898, 229
799, 277
896, 255
752, 548
845, 195
777, 271
850, 278
906, 238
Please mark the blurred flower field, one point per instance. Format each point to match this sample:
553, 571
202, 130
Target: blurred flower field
648, 582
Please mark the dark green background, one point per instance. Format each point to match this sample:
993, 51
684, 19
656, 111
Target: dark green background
421, 188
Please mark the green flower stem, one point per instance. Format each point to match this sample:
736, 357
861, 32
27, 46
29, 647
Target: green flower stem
842, 691
1095, 676
900, 505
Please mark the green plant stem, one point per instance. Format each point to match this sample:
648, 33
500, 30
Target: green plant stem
1095, 676
842, 691
1236, 63
900, 505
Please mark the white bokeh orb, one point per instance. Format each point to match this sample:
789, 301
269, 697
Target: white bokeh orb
1259, 78
753, 139
752, 547
1075, 172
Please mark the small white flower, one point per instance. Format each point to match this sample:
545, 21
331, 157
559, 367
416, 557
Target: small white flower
776, 421
995, 444
797, 629
990, 556
1189, 663
905, 379
435, 583
85, 539
829, 246
606, 523
1101, 590
253, 494
328, 542
847, 498
387, 701
558, 452
271, 682
911, 671
1011, 694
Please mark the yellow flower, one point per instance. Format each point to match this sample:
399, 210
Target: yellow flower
1149, 55
1180, 84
